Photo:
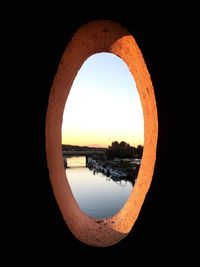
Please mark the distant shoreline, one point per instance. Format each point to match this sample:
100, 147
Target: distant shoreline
76, 147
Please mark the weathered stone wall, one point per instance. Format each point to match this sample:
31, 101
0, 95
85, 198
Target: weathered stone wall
96, 37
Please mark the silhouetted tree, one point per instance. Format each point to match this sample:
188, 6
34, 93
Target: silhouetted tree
139, 151
119, 150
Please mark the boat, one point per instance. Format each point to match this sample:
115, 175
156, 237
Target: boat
117, 174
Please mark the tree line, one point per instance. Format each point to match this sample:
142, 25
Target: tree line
123, 150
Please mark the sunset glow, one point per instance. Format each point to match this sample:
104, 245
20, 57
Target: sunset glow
103, 105
109, 36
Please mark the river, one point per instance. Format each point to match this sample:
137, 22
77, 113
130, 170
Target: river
97, 195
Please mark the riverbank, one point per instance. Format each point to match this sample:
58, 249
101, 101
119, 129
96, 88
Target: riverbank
126, 169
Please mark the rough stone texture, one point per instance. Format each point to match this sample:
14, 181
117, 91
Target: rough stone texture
96, 37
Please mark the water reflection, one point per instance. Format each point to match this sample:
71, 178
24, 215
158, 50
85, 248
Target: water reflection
98, 194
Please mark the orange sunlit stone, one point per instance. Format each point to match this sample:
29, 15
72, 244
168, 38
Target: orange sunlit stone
96, 37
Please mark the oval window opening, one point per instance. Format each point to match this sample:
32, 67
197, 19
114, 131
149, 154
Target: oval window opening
102, 135
108, 118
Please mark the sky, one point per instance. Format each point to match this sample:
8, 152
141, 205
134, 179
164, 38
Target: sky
103, 105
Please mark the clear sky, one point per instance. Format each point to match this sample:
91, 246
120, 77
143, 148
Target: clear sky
103, 105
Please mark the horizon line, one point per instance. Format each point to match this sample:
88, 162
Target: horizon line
98, 146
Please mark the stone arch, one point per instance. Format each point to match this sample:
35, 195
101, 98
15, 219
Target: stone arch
91, 38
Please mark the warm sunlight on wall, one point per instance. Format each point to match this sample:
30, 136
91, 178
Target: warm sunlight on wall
100, 36
103, 105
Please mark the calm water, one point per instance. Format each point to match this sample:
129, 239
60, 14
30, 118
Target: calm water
97, 195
